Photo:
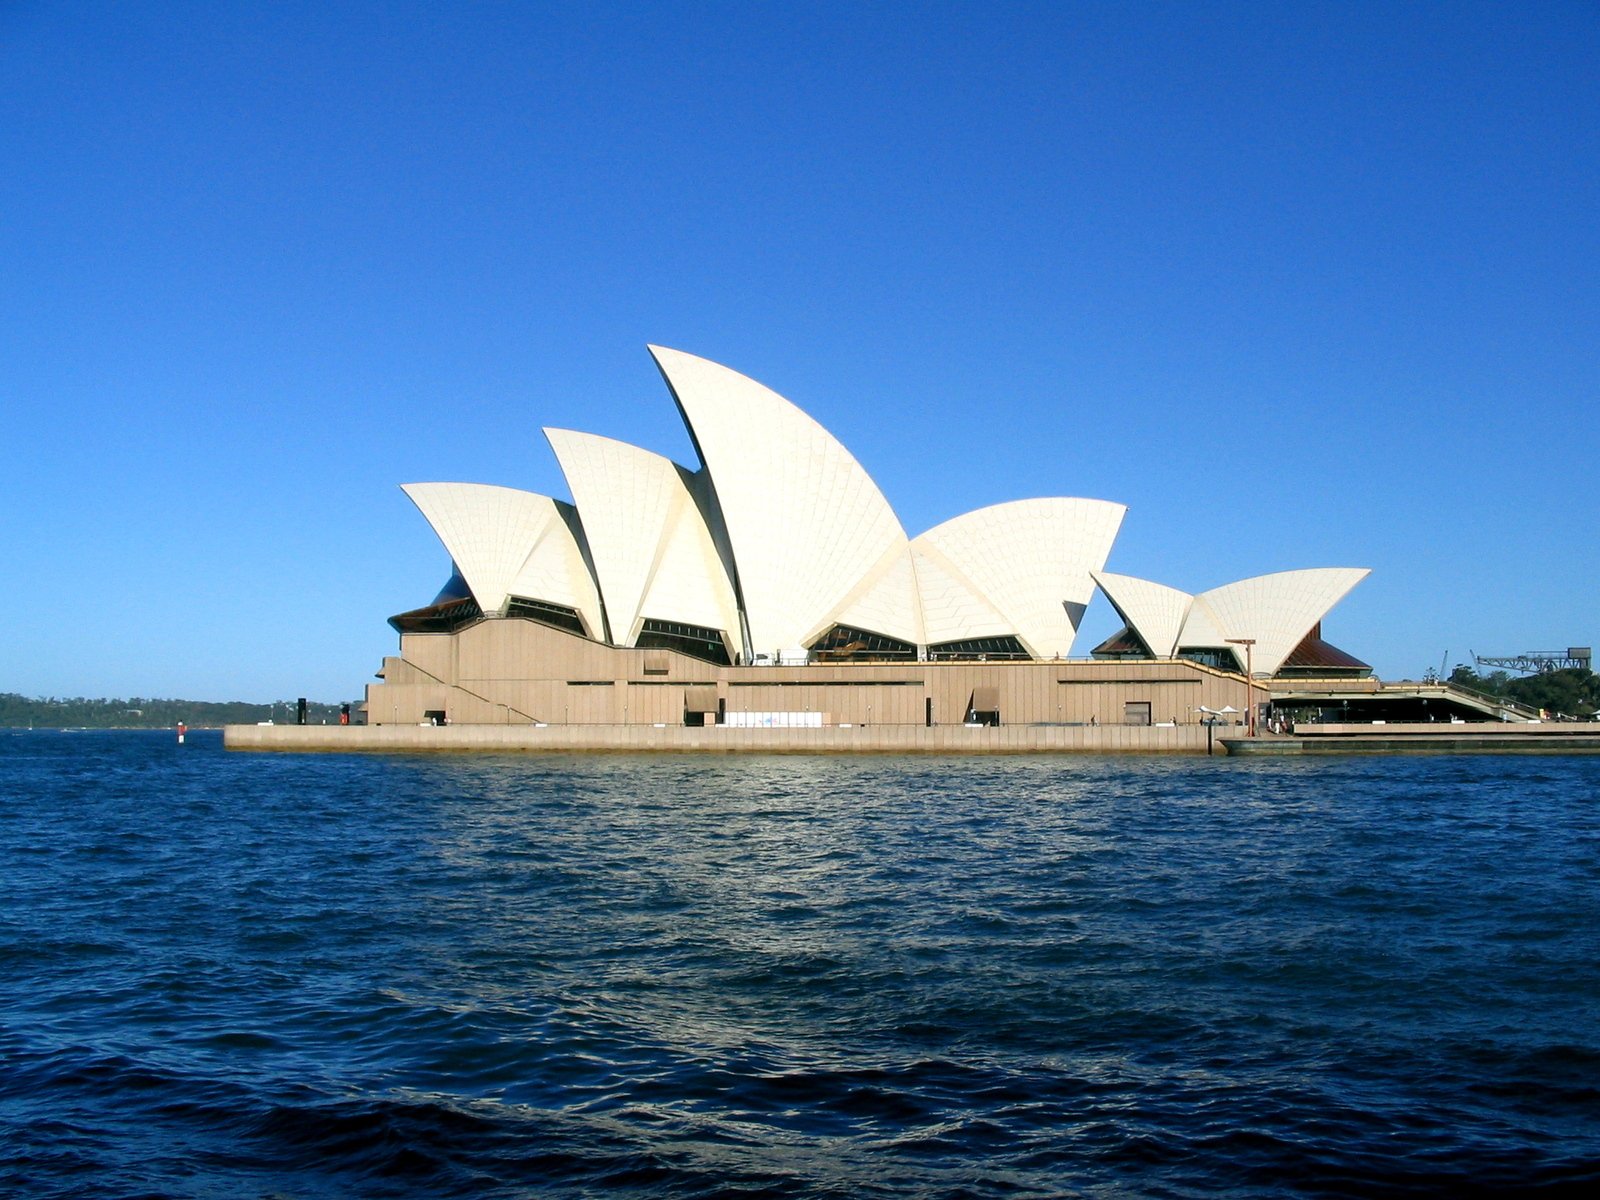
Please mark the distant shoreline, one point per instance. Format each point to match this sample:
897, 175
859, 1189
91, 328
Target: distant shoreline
143, 712
191, 728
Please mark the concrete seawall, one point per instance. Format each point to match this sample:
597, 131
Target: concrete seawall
859, 739
1484, 738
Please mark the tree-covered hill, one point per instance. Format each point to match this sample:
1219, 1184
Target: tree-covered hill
140, 713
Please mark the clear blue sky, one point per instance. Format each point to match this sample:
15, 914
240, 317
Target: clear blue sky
1302, 285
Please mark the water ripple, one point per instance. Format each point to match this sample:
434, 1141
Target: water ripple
320, 976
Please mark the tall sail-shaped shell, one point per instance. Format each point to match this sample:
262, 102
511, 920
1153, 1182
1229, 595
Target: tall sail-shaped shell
653, 551
805, 522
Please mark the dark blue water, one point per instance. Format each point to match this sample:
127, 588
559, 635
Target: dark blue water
318, 976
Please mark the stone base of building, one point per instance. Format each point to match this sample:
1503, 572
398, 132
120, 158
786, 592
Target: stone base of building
512, 672
721, 739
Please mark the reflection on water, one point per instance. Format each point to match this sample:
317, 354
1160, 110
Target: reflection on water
678, 975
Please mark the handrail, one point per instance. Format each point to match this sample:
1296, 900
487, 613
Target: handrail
1498, 701
1443, 687
443, 683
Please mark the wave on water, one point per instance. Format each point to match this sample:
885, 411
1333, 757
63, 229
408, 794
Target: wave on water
320, 976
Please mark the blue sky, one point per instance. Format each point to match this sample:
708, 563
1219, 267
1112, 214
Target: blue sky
1302, 285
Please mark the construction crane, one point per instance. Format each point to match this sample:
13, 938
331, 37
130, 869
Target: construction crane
1536, 662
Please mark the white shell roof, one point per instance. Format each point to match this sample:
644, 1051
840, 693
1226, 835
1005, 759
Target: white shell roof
953, 607
1277, 610
1201, 628
1030, 562
508, 542
887, 601
1152, 610
805, 523
785, 519
652, 550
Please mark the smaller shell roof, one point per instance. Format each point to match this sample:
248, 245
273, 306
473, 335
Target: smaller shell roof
1153, 611
1277, 610
507, 542
1031, 561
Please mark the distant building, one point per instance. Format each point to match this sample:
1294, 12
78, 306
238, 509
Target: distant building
775, 583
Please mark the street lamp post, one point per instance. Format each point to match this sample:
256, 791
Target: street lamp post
1249, 681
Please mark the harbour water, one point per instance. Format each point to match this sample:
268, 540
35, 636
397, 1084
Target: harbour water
229, 975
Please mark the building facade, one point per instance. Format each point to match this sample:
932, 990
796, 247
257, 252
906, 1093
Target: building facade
774, 584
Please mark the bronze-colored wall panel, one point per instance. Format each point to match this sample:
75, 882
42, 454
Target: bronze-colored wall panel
514, 671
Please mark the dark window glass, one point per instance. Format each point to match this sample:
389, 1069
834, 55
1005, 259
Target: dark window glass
694, 640
1219, 657
559, 616
990, 647
1123, 644
842, 644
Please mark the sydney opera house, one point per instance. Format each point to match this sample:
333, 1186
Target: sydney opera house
773, 585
